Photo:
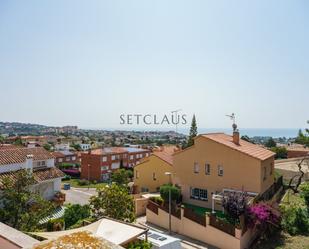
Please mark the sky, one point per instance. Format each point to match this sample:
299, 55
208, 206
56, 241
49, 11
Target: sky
87, 62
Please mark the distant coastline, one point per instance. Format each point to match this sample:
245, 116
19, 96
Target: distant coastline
251, 132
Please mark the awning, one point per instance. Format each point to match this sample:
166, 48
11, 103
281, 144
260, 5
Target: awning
114, 231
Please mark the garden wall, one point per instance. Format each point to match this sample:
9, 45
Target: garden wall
207, 234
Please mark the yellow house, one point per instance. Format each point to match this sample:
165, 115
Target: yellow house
149, 175
218, 162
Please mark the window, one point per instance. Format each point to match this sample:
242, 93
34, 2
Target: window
220, 170
113, 157
136, 174
67, 159
60, 160
196, 168
104, 167
124, 155
43, 163
271, 169
104, 159
264, 173
144, 190
73, 158
131, 157
154, 176
147, 154
198, 193
207, 169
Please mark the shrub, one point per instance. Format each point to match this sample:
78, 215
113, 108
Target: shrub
157, 199
140, 244
235, 204
82, 182
74, 213
175, 192
305, 193
263, 217
55, 225
295, 219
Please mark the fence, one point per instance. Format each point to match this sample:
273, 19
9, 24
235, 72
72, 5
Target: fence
271, 191
153, 207
222, 225
191, 215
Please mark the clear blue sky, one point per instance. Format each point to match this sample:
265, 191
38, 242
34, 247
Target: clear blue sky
86, 62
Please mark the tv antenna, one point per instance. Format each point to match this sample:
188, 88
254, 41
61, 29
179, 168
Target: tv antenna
233, 118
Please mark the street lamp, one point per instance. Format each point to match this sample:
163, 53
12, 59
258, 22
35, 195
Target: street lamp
109, 176
88, 176
169, 204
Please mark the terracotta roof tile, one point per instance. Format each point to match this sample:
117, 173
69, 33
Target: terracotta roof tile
165, 156
245, 147
18, 155
39, 175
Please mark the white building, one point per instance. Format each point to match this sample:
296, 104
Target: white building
39, 162
85, 146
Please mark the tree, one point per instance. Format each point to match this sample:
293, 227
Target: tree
303, 137
298, 177
270, 143
175, 192
113, 201
247, 138
18, 141
74, 213
22, 208
193, 132
281, 152
47, 147
120, 176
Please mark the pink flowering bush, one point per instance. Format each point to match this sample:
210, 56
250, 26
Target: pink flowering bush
263, 217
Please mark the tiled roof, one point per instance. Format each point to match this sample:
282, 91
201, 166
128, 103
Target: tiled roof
39, 175
245, 147
18, 155
57, 154
165, 156
117, 150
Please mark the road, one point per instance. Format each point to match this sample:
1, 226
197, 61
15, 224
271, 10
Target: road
79, 195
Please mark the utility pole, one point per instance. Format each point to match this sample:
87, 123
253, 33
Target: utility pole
88, 176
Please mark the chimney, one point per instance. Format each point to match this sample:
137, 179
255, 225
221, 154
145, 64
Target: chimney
29, 163
236, 137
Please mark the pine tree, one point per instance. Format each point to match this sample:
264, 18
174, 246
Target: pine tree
193, 132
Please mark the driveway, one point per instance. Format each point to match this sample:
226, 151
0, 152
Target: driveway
186, 242
79, 195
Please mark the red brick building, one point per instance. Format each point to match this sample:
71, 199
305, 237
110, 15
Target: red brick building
100, 163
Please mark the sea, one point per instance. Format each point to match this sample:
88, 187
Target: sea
251, 132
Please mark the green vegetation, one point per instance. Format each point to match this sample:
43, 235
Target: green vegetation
270, 143
281, 152
140, 244
157, 199
295, 212
113, 201
303, 137
21, 208
55, 225
304, 188
74, 213
175, 192
77, 183
121, 176
47, 147
202, 211
192, 134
